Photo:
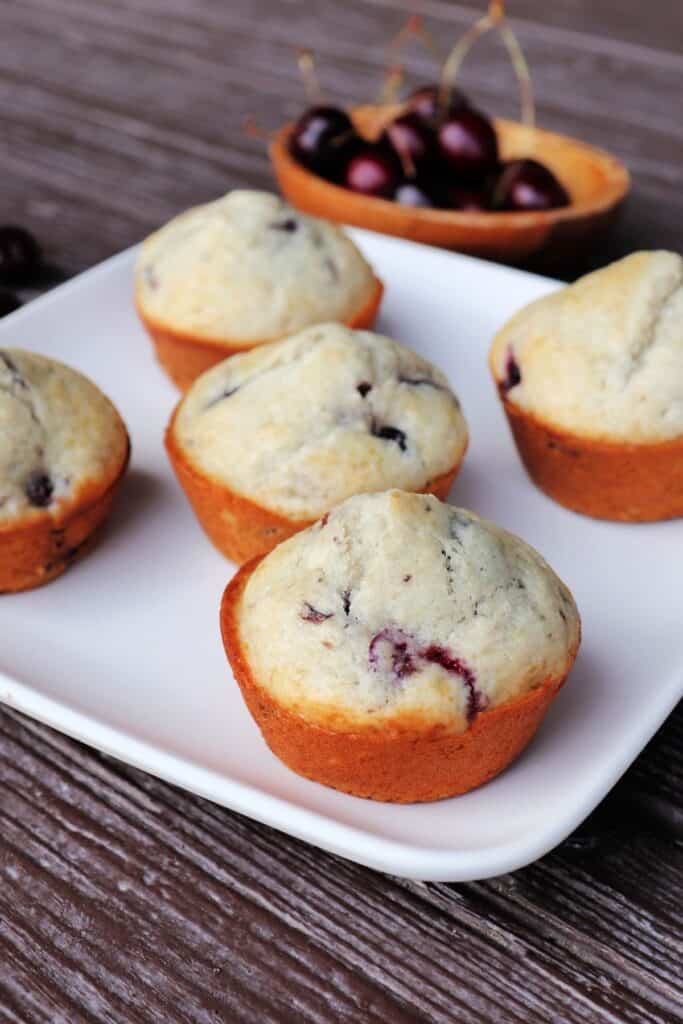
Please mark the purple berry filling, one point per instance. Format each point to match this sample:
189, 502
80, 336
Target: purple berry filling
310, 614
389, 434
39, 489
397, 654
437, 655
390, 651
289, 226
513, 374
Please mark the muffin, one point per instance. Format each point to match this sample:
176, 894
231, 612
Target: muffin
399, 649
591, 379
63, 451
244, 270
268, 441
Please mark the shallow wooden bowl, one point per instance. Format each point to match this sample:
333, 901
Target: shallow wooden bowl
596, 182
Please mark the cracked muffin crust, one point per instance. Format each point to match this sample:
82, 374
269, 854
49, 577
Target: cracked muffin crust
591, 378
296, 427
63, 449
400, 648
242, 271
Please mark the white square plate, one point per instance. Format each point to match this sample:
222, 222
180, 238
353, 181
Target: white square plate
124, 653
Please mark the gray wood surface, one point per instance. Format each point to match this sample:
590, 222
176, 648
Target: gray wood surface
123, 899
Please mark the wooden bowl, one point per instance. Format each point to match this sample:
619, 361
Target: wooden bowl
596, 181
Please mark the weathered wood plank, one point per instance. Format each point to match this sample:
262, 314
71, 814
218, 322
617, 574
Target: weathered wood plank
87, 842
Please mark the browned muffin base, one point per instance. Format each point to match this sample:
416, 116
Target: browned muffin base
41, 549
240, 528
633, 483
185, 357
407, 763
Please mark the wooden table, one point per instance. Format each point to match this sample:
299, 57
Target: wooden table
124, 899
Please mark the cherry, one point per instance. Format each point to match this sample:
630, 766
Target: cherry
19, 255
373, 172
409, 193
318, 138
425, 103
528, 185
8, 302
466, 199
413, 141
468, 143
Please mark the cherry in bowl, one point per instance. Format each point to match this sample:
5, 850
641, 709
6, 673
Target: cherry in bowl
528, 185
322, 139
426, 103
413, 141
373, 171
468, 144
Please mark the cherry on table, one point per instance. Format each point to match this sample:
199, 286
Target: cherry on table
372, 172
425, 102
19, 254
8, 302
468, 143
319, 137
528, 185
413, 141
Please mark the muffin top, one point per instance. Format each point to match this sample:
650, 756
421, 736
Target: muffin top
301, 424
602, 358
249, 267
396, 608
58, 434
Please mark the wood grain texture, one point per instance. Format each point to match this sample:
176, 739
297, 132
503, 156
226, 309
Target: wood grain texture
124, 899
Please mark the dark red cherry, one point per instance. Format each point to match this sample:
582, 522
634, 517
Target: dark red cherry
468, 144
413, 141
467, 199
19, 255
425, 102
8, 302
528, 185
373, 172
409, 193
318, 138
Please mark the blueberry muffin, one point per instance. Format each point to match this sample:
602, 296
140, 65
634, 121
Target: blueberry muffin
399, 649
244, 270
63, 450
591, 378
268, 441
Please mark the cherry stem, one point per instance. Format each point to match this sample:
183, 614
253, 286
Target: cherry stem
306, 64
392, 83
457, 56
521, 69
413, 29
494, 19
